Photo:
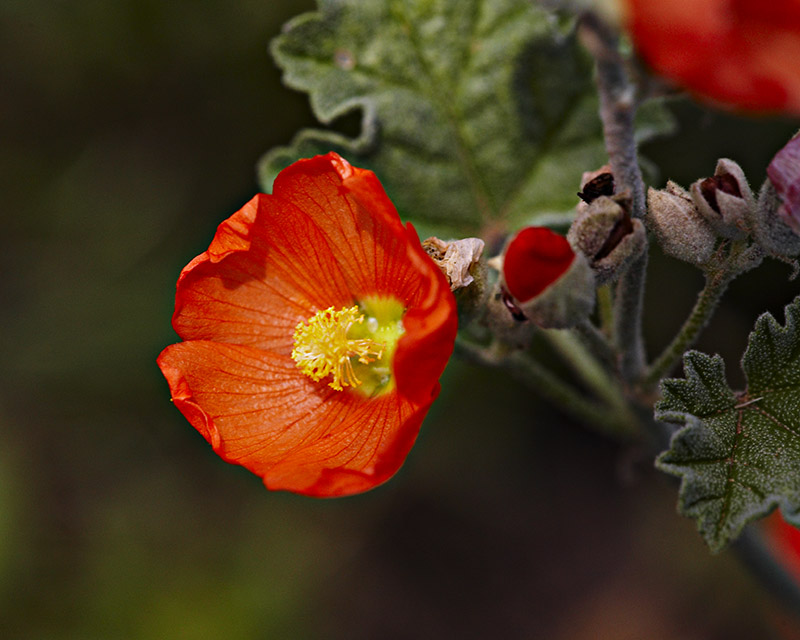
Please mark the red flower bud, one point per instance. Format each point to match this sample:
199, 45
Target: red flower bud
535, 258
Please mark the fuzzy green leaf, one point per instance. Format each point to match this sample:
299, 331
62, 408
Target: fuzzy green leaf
738, 454
474, 113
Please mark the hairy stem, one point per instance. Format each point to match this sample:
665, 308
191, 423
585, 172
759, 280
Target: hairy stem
605, 308
628, 338
698, 318
593, 375
545, 384
598, 343
618, 104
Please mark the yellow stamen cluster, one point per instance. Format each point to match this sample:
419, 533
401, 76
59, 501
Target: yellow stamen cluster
322, 348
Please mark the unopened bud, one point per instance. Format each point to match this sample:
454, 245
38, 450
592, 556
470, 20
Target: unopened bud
677, 224
545, 281
607, 236
770, 228
784, 174
725, 200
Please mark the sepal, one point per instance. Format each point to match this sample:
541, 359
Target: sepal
784, 173
566, 302
777, 218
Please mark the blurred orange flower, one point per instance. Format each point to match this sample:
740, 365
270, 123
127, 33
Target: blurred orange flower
786, 539
743, 53
316, 329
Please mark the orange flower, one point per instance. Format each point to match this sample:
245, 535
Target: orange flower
743, 53
316, 329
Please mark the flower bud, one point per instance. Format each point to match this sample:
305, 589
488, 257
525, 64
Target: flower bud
770, 228
607, 236
677, 224
725, 200
545, 281
784, 174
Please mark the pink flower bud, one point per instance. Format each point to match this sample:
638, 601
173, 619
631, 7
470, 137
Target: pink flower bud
784, 174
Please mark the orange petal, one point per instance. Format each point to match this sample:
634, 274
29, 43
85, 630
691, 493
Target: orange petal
353, 212
431, 322
257, 410
431, 327
268, 268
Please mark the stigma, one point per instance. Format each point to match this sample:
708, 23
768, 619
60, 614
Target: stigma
325, 347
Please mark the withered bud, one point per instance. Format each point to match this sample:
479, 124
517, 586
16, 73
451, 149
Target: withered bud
725, 200
600, 185
594, 184
607, 236
677, 224
458, 259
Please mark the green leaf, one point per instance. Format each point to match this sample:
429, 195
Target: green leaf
738, 454
474, 113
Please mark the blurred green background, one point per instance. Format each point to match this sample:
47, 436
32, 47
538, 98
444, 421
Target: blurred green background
129, 131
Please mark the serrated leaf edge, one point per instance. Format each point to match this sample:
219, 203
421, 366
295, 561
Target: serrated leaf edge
767, 323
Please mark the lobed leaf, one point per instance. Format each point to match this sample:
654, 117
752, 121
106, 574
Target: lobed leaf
475, 113
738, 454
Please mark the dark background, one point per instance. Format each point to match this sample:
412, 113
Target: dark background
129, 130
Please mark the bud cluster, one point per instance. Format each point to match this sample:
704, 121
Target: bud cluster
551, 280
690, 225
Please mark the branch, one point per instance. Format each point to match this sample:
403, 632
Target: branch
618, 103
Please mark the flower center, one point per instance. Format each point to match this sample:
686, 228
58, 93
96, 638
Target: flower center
354, 345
